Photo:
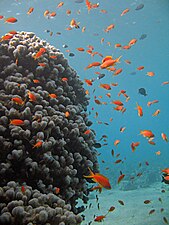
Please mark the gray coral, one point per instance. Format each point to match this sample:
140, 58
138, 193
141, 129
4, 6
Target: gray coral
65, 151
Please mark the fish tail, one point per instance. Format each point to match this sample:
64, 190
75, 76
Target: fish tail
118, 59
91, 175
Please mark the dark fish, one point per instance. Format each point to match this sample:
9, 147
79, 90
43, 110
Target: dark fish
97, 145
165, 220
143, 36
139, 7
142, 91
71, 54
133, 73
64, 46
79, 1
100, 76
163, 180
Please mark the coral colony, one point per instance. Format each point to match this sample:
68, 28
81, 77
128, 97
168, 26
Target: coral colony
44, 149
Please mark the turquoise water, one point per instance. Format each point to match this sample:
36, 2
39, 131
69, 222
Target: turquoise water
150, 51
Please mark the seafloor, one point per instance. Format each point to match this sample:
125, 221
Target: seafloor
134, 211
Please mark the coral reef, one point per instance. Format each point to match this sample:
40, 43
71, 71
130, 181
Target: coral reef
44, 149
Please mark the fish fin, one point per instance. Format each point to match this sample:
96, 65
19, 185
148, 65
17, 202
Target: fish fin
118, 59
91, 175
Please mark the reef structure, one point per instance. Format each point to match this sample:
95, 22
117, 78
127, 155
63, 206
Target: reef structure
45, 150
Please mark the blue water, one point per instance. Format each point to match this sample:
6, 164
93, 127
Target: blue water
152, 52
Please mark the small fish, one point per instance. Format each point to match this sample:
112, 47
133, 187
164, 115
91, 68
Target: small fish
120, 178
32, 97
71, 54
141, 6
164, 137
142, 91
147, 202
147, 133
31, 9
99, 178
100, 76
17, 122
97, 145
18, 100
165, 220
111, 209
151, 211
116, 142
99, 218
121, 202
143, 36
38, 144
11, 20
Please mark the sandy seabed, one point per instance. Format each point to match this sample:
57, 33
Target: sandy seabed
134, 211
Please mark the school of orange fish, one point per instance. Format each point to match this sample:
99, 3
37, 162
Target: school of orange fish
109, 64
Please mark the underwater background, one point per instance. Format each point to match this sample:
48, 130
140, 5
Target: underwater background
144, 78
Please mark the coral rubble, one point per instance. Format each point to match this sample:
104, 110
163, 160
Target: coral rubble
44, 149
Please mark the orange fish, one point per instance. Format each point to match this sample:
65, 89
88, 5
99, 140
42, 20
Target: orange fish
67, 114
100, 179
57, 190
18, 100
158, 153
88, 82
126, 47
124, 12
116, 142
110, 62
165, 82
132, 42
38, 144
150, 74
147, 133
164, 137
89, 5
17, 122
117, 45
99, 218
46, 13
52, 14
110, 27
64, 79
166, 170
39, 53
140, 68
156, 112
60, 4
134, 145
74, 24
36, 81
117, 102
139, 109
105, 86
68, 12
120, 178
80, 49
11, 20
32, 97
6, 37
52, 95
93, 64
117, 72
87, 132
30, 10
